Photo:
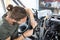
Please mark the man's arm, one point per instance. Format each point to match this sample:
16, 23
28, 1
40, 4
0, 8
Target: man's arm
19, 38
26, 34
31, 16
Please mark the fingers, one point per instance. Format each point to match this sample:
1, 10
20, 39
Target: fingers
34, 24
28, 10
28, 33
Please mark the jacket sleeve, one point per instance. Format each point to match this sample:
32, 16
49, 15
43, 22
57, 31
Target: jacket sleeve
3, 33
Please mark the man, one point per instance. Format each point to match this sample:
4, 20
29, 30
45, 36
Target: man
14, 17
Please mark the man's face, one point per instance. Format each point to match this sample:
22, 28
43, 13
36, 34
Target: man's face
22, 20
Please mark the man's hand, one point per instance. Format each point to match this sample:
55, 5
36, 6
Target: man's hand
28, 33
28, 11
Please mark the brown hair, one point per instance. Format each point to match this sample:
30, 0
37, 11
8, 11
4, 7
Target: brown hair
17, 12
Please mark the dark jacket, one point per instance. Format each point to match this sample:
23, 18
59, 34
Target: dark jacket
6, 29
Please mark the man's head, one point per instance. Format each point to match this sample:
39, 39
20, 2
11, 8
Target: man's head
16, 13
